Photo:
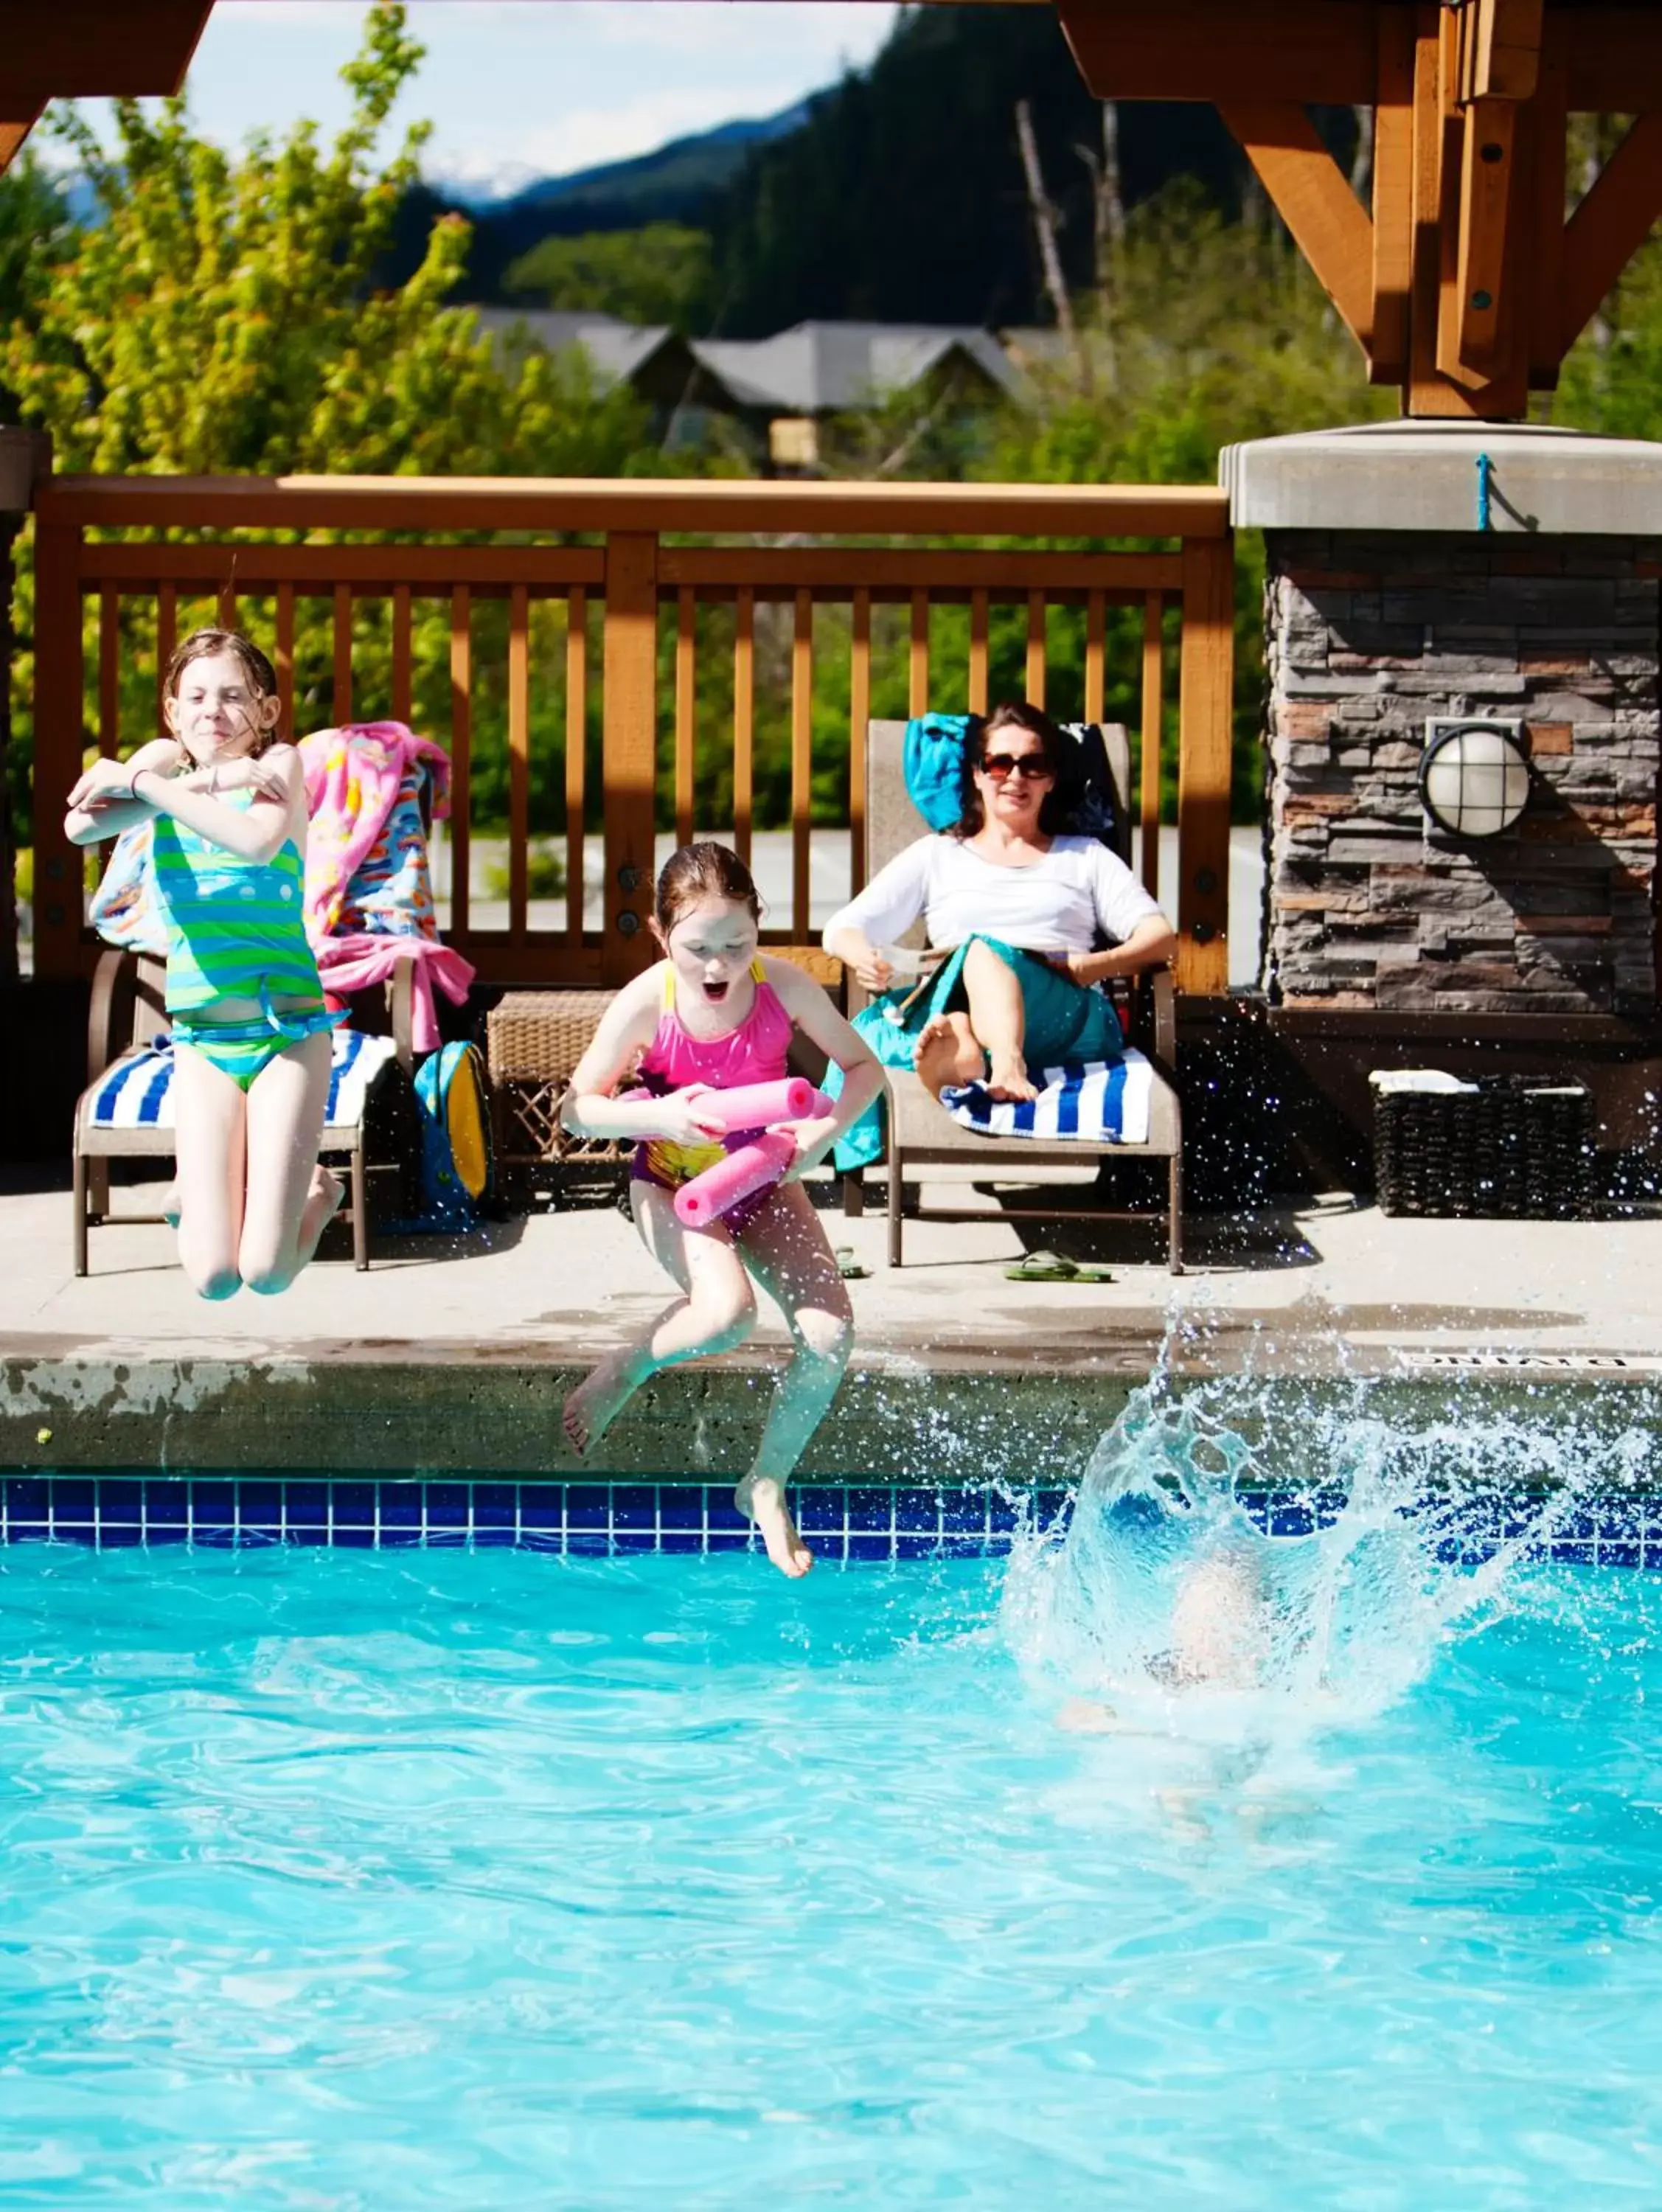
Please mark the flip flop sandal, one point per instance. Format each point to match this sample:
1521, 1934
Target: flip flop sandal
1056, 1267
848, 1267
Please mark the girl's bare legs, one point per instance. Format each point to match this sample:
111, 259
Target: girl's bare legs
949, 1047
290, 1197
785, 1248
210, 1134
716, 1312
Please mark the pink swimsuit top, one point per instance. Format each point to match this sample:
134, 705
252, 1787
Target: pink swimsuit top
755, 1052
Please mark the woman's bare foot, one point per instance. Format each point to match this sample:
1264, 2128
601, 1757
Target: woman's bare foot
596, 1402
323, 1202
1009, 1079
947, 1054
172, 1205
764, 1500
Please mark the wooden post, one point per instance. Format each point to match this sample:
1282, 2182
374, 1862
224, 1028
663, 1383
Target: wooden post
10, 525
630, 750
1205, 706
59, 733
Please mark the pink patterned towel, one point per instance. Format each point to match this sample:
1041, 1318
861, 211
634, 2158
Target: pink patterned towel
368, 899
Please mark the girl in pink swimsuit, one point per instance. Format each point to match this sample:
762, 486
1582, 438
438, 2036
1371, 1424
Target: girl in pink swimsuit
712, 1015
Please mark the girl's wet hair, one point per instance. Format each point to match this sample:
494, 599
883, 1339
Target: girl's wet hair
203, 644
1062, 756
700, 871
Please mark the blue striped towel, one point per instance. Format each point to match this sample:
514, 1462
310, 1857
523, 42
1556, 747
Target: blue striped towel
1102, 1102
137, 1090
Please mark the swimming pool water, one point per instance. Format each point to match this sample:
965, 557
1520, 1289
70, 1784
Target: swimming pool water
422, 1880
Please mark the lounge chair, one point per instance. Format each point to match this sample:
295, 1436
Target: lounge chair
922, 1134
125, 1112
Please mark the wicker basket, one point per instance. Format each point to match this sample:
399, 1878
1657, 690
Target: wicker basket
1507, 1146
533, 1040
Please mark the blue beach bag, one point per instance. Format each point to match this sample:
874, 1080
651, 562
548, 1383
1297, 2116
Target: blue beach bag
454, 1168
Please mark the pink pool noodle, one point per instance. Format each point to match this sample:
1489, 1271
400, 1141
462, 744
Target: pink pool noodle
755, 1105
751, 1168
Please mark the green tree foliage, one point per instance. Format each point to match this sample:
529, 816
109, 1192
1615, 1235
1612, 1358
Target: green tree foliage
34, 228
219, 317
659, 273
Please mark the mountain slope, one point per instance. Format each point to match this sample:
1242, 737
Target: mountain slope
901, 198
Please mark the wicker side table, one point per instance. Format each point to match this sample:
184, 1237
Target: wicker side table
533, 1040
1504, 1147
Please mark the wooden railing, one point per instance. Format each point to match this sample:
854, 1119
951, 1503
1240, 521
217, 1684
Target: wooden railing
579, 656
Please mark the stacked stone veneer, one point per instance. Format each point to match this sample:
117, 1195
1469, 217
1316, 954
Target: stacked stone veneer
1370, 904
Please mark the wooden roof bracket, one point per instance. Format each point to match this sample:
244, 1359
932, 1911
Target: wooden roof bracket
1610, 225
13, 134
86, 49
1314, 199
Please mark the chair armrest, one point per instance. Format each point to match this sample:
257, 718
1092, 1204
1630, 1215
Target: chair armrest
1164, 995
401, 1013
112, 985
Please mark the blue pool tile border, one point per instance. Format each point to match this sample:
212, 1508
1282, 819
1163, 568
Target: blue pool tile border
590, 1519
843, 1520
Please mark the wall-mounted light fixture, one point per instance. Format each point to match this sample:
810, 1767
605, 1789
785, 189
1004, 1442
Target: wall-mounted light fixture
1474, 776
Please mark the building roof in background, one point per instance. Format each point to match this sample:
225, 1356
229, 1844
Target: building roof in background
618, 350
813, 369
823, 369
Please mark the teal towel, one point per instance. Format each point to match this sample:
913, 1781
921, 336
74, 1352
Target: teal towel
937, 778
1064, 1023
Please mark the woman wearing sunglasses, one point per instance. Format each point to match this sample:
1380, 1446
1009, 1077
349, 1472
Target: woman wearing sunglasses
1041, 917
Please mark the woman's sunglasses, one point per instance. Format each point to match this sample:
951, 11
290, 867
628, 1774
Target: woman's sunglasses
1034, 768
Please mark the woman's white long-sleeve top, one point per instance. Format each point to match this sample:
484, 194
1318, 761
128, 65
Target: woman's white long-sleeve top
1063, 902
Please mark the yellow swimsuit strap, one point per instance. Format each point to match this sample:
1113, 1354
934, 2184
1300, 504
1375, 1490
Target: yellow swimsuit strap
758, 974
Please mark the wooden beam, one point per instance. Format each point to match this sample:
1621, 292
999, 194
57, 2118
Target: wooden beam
716, 505
1612, 224
1320, 50
1543, 159
1487, 165
1315, 200
1429, 392
1506, 39
12, 135
630, 750
87, 49
1206, 729
1393, 199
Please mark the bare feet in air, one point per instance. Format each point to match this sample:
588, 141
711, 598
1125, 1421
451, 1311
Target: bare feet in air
323, 1202
1008, 1080
172, 1205
764, 1500
594, 1404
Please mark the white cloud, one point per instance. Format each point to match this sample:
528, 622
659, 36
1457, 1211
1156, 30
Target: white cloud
819, 31
524, 88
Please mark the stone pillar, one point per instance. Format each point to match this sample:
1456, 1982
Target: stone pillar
1419, 570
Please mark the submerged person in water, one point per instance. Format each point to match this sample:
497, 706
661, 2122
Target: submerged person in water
1221, 1637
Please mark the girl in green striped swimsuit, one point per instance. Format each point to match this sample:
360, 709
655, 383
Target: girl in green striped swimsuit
250, 1076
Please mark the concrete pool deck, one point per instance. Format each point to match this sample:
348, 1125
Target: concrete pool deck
453, 1354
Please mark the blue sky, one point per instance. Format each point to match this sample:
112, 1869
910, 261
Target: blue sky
518, 88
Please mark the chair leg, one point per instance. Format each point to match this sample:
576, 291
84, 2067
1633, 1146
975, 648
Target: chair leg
854, 1195
896, 1194
98, 1184
360, 1214
80, 1211
1176, 1250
